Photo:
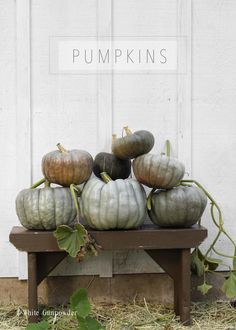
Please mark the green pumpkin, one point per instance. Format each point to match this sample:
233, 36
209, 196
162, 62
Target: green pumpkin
119, 204
181, 206
158, 171
133, 144
45, 208
116, 168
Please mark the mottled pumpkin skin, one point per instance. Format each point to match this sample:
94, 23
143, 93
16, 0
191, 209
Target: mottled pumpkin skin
65, 168
119, 204
177, 207
45, 208
133, 145
116, 168
158, 171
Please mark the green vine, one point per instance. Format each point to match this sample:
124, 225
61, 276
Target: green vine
201, 263
75, 193
76, 240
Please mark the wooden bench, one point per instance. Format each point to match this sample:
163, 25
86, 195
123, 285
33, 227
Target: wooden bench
170, 248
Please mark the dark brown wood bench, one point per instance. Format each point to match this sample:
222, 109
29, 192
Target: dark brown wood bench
170, 248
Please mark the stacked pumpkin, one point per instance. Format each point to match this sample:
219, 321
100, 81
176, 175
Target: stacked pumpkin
49, 207
111, 199
169, 203
117, 202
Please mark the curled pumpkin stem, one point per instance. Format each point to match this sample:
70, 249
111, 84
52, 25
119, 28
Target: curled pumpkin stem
105, 177
127, 130
61, 148
114, 137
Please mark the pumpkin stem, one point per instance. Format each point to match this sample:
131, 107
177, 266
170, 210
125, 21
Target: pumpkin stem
47, 183
61, 148
73, 189
127, 130
78, 190
168, 148
114, 137
38, 183
149, 199
105, 177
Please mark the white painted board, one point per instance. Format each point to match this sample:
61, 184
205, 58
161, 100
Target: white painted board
38, 109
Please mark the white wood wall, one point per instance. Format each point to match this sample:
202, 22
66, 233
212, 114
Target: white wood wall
38, 109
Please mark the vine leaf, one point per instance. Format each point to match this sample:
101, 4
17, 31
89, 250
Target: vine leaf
229, 286
204, 288
197, 265
79, 302
71, 240
44, 325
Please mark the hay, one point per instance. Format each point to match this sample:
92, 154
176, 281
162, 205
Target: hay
135, 316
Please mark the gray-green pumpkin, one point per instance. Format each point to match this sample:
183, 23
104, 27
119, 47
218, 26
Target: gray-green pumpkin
45, 208
158, 171
119, 204
133, 144
181, 206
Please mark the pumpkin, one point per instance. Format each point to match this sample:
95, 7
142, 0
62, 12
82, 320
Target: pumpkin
45, 208
119, 204
133, 144
66, 167
116, 168
181, 206
158, 171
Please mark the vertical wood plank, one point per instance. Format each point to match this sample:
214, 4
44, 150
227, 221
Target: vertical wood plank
104, 81
106, 264
23, 108
184, 85
105, 106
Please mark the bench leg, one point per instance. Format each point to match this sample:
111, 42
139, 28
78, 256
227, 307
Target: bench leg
184, 286
176, 263
176, 297
33, 312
